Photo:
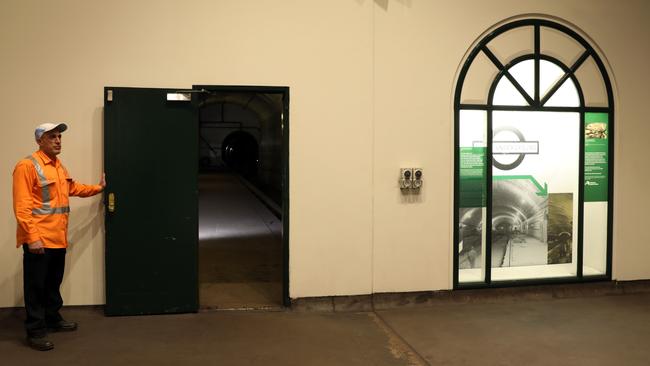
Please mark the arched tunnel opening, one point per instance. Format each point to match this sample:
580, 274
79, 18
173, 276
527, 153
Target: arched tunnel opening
240, 152
240, 200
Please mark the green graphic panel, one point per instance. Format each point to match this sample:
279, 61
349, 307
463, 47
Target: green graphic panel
472, 176
596, 156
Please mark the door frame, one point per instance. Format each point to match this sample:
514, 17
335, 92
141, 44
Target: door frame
284, 91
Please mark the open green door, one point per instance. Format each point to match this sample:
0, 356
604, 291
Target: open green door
151, 152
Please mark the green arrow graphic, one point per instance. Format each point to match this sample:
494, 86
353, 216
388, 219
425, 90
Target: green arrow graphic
542, 191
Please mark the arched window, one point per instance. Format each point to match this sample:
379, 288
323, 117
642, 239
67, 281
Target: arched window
534, 120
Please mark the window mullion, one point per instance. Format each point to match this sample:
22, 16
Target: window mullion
564, 77
507, 74
537, 60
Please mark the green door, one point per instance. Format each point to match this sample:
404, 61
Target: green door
151, 152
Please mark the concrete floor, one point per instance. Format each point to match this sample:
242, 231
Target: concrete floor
240, 247
594, 330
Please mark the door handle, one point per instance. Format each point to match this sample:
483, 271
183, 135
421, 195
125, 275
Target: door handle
111, 202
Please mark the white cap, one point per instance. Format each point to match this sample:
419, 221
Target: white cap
41, 129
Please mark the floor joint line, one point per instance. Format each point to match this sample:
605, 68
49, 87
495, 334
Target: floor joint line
413, 356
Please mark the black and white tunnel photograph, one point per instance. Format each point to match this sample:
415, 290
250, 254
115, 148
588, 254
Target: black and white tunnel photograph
527, 228
471, 238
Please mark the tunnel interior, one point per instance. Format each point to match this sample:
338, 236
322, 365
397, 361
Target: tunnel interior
240, 200
519, 220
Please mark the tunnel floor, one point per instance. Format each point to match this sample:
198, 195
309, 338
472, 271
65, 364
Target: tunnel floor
240, 247
525, 250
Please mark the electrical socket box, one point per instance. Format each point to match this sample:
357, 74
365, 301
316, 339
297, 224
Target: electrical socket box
417, 178
406, 178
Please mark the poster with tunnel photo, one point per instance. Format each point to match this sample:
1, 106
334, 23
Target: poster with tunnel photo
535, 159
472, 188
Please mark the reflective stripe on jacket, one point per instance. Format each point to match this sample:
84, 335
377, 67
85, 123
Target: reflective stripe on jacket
41, 187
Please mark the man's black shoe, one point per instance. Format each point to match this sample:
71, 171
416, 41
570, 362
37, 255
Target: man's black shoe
40, 344
62, 326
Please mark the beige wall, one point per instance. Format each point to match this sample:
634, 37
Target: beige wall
371, 91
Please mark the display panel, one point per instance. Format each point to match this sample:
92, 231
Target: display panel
471, 211
535, 172
596, 167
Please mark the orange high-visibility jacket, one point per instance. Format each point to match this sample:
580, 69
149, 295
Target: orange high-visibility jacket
41, 190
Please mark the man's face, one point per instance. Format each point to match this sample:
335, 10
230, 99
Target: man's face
50, 142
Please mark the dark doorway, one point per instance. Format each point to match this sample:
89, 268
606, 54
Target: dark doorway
242, 197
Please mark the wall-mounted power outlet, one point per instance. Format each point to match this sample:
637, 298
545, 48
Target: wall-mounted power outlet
410, 178
417, 178
405, 178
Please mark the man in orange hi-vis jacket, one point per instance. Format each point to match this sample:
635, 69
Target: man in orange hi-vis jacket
41, 187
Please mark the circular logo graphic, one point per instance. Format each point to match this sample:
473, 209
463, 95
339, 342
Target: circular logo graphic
520, 156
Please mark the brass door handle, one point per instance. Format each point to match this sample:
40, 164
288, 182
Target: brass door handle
111, 202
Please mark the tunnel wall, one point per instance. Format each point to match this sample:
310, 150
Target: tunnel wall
371, 91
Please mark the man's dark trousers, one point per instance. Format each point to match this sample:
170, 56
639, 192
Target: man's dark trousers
42, 277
